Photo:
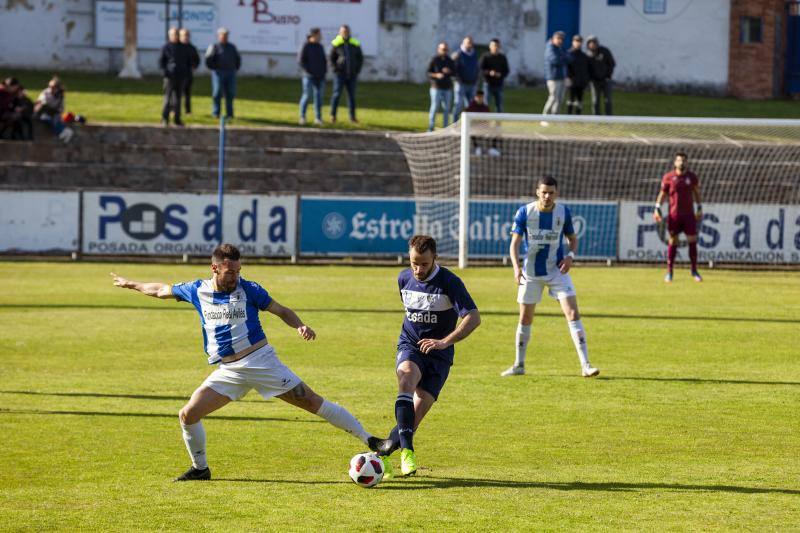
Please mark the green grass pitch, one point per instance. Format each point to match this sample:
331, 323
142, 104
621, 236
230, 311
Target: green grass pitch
692, 425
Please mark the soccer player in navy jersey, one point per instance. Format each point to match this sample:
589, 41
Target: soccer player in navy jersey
434, 299
228, 306
538, 232
682, 188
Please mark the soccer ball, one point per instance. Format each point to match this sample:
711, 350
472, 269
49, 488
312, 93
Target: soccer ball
366, 469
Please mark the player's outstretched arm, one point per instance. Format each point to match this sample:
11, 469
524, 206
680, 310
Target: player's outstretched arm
467, 325
156, 290
291, 319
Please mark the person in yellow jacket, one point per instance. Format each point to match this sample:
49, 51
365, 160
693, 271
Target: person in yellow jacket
346, 60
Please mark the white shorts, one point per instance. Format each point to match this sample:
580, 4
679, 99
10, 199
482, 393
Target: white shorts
261, 370
560, 286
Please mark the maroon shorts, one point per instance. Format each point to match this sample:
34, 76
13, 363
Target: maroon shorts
685, 223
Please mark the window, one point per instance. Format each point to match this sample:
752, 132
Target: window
655, 7
616, 2
750, 30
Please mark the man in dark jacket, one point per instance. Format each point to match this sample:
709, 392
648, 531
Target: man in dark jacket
494, 67
601, 69
186, 40
440, 72
312, 60
556, 60
577, 76
346, 61
176, 64
467, 74
223, 60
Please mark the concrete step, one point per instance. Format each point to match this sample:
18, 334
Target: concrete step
59, 176
321, 159
237, 136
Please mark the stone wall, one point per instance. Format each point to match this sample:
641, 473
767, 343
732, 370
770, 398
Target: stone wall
258, 160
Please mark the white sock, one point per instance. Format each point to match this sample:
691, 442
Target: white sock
523, 336
579, 340
195, 438
342, 419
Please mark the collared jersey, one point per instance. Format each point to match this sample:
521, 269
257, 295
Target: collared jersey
229, 320
544, 235
679, 189
432, 308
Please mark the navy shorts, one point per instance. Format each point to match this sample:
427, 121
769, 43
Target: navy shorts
434, 370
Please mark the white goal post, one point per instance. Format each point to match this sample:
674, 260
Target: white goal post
611, 167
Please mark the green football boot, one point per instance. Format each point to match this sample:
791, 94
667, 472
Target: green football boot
408, 462
388, 472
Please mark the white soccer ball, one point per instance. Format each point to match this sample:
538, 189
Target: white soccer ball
366, 469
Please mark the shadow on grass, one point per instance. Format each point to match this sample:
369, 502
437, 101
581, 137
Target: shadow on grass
697, 380
399, 312
431, 482
4, 411
107, 395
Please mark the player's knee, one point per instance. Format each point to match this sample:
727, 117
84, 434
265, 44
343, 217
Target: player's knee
189, 415
184, 415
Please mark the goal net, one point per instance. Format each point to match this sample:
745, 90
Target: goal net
469, 180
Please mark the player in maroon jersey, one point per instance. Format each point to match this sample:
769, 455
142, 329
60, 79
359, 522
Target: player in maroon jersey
685, 210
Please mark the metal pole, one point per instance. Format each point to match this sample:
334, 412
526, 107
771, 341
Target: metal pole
463, 197
221, 174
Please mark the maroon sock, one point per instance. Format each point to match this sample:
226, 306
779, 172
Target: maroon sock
672, 251
693, 255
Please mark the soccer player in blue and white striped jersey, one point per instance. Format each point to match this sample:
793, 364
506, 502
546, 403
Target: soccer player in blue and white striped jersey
228, 306
537, 235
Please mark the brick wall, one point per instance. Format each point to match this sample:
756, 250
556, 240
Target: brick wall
755, 70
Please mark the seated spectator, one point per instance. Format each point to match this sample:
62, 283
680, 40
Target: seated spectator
478, 105
15, 111
49, 108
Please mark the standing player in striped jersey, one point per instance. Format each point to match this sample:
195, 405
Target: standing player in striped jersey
232, 336
683, 190
434, 299
541, 227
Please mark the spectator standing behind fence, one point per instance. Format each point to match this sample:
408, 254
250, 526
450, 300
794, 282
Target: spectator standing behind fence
49, 107
577, 76
601, 69
466, 74
346, 61
176, 64
556, 60
186, 40
494, 67
223, 60
314, 64
440, 72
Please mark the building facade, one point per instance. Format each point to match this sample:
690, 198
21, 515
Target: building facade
745, 48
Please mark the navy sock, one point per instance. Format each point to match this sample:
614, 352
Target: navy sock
404, 413
394, 436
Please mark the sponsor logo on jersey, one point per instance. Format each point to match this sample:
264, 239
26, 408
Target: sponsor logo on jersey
424, 318
225, 313
543, 235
